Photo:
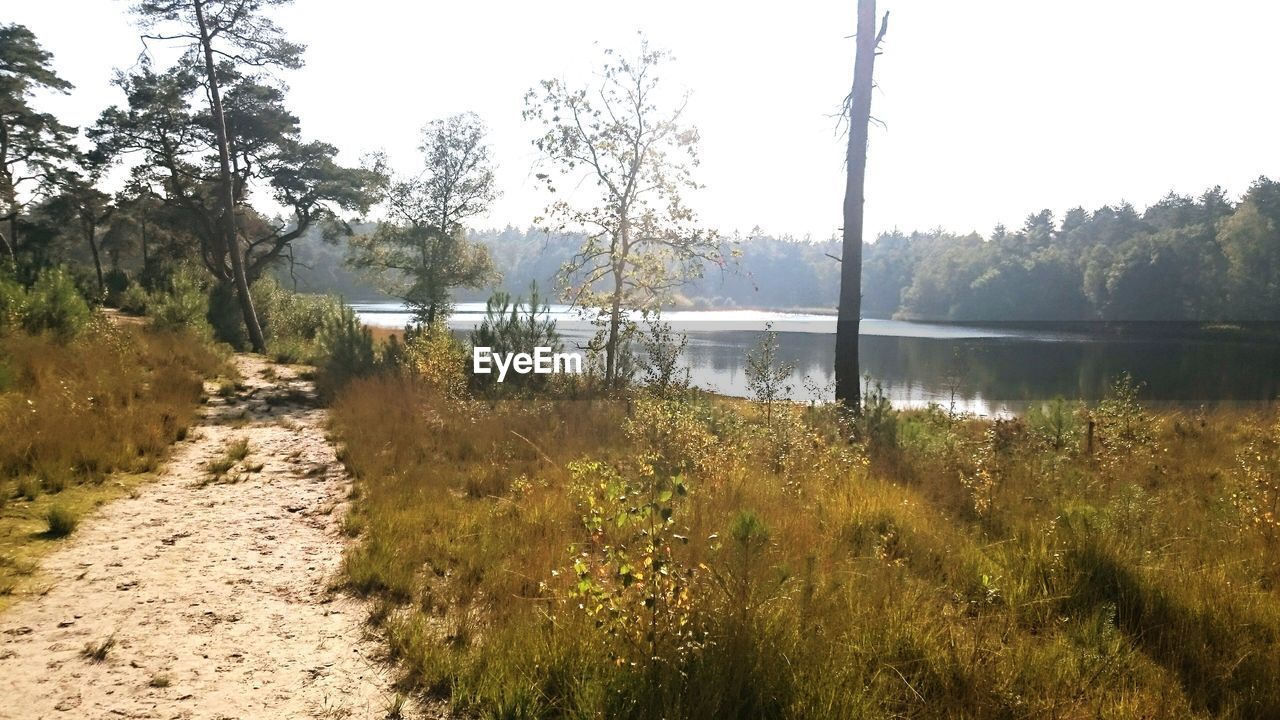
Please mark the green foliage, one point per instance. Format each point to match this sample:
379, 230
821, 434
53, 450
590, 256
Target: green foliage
1055, 422
185, 305
54, 304
60, 521
511, 325
292, 322
877, 422
224, 315
36, 145
767, 376
628, 581
1182, 258
13, 303
347, 351
1123, 426
424, 253
134, 299
639, 239
662, 348
435, 356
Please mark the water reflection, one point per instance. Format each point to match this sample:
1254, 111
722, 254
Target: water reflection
980, 370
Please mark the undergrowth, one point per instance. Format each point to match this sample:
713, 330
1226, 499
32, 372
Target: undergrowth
85, 416
684, 556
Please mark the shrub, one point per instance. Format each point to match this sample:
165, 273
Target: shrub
435, 356
13, 303
54, 304
185, 305
61, 521
878, 421
116, 282
224, 316
662, 348
767, 375
347, 351
291, 322
134, 299
512, 326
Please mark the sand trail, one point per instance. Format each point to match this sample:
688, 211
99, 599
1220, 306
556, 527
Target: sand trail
212, 596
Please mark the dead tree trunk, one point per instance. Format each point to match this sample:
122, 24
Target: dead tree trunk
848, 391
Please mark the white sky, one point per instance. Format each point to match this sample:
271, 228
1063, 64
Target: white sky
993, 109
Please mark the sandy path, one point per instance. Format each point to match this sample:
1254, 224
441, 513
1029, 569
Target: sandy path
215, 594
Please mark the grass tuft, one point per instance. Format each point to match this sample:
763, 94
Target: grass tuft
97, 652
60, 521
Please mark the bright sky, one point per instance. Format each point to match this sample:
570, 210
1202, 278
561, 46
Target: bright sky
992, 109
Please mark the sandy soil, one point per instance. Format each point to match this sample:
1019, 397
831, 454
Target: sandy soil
213, 596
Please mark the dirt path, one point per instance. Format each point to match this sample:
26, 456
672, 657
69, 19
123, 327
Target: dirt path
212, 597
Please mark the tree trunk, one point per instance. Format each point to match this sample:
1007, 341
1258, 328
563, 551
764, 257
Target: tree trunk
226, 192
11, 242
615, 319
848, 390
91, 232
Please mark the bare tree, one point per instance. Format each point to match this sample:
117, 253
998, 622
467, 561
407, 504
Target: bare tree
858, 105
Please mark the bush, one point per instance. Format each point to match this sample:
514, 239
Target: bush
134, 299
768, 376
224, 316
434, 355
1054, 422
61, 521
13, 303
291, 322
347, 351
54, 304
662, 347
184, 306
116, 282
512, 326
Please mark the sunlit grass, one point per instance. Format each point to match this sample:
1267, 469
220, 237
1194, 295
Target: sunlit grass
939, 567
83, 422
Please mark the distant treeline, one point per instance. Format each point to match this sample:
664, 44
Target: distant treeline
1184, 258
771, 272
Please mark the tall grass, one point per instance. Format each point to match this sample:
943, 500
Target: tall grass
74, 411
112, 400
691, 557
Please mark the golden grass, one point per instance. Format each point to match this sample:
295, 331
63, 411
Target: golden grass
679, 558
82, 422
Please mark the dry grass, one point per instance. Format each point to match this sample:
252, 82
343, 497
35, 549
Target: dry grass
664, 558
85, 421
98, 652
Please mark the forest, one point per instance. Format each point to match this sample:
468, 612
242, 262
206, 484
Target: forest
1204, 259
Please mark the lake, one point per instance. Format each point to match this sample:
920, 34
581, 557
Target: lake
985, 370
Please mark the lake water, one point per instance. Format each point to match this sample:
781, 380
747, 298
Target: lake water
989, 370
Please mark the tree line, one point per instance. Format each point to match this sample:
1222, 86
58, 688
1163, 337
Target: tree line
1198, 258
1183, 258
